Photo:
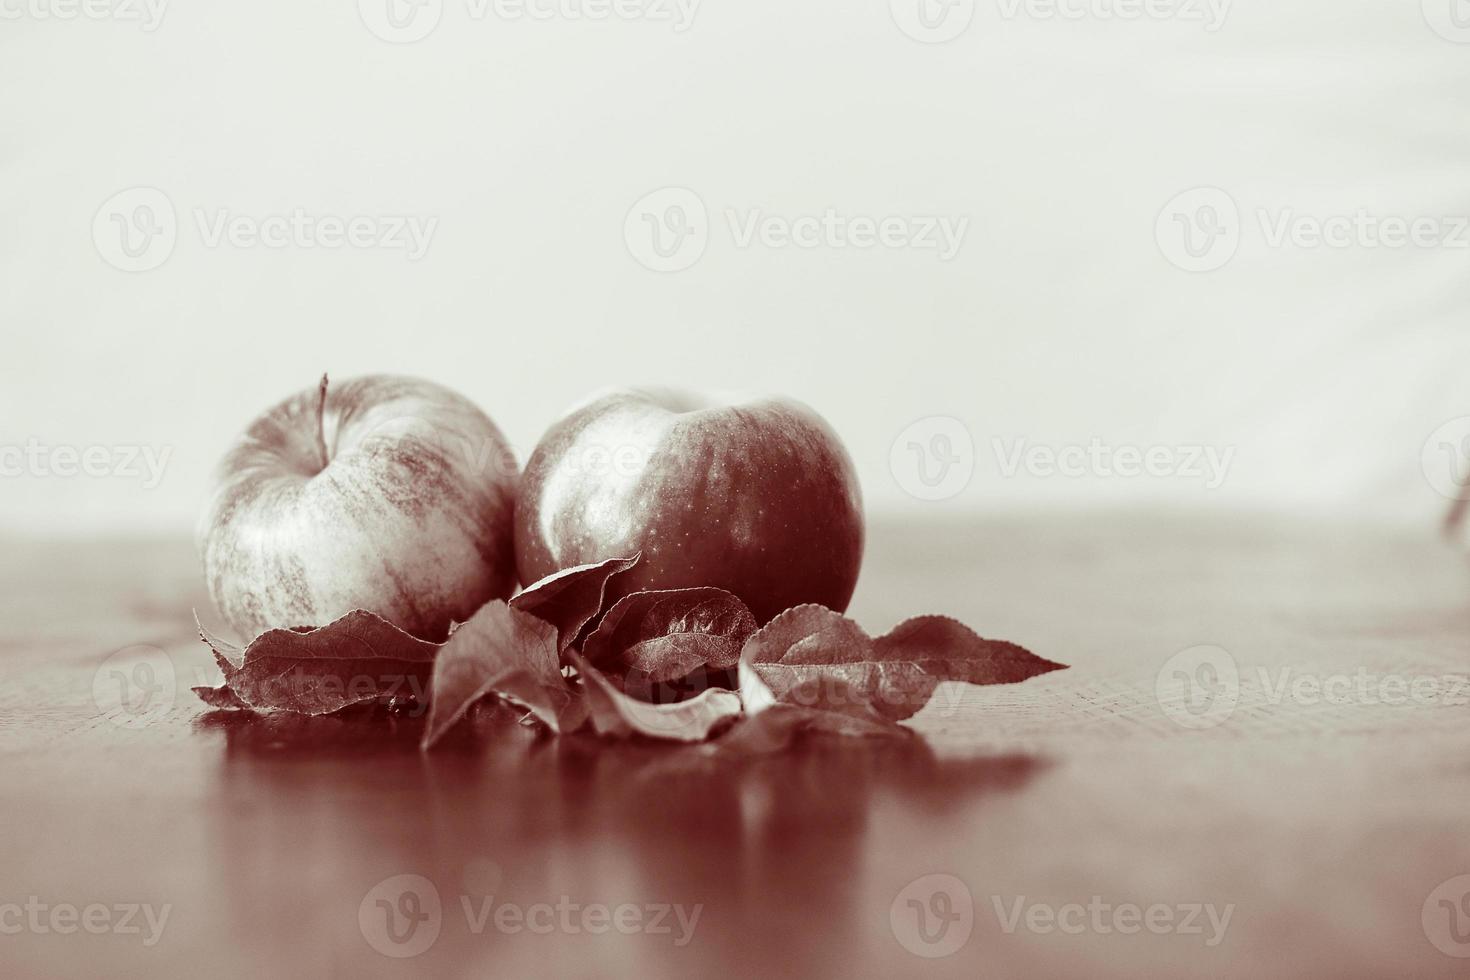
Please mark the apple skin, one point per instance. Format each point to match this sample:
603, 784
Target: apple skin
410, 517
757, 498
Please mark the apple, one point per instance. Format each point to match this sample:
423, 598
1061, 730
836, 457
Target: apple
755, 497
384, 493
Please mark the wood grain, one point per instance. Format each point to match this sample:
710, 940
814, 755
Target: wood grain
1325, 823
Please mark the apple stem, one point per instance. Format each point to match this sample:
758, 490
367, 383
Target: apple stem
321, 422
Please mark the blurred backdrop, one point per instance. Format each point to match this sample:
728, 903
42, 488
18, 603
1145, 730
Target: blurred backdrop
1020, 253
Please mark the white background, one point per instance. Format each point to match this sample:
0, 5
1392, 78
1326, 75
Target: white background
1060, 320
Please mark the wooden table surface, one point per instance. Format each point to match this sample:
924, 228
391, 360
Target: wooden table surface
1330, 825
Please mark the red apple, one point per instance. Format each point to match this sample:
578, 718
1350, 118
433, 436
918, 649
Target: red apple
385, 493
758, 498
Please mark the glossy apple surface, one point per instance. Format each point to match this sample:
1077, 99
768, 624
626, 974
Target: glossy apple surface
758, 498
385, 493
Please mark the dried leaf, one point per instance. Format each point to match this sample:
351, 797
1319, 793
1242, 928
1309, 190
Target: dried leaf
618, 714
661, 636
232, 652
220, 697
812, 657
817, 703
894, 691
808, 670
571, 598
506, 652
830, 690
809, 634
692, 684
781, 724
951, 651
358, 658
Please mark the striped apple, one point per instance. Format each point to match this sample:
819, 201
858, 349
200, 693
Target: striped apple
385, 493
